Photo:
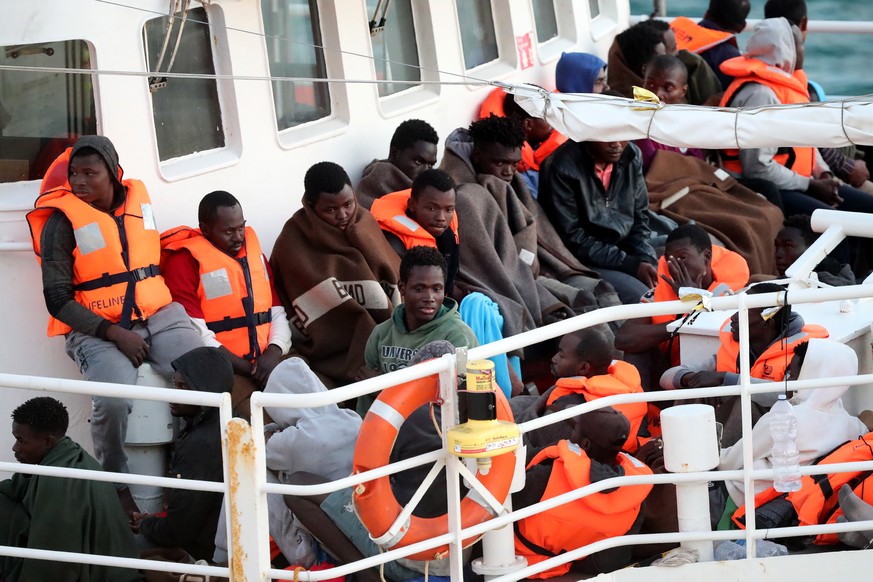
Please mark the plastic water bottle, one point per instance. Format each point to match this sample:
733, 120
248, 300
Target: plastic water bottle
783, 429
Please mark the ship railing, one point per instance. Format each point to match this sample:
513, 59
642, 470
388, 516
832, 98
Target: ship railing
245, 471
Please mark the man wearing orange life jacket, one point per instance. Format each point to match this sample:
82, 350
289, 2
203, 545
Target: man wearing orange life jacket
689, 261
772, 339
714, 37
585, 369
220, 276
423, 215
764, 76
96, 239
592, 454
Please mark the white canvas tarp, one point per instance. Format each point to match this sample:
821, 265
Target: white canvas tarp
584, 117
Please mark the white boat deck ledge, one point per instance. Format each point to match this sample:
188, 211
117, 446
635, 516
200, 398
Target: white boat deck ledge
284, 84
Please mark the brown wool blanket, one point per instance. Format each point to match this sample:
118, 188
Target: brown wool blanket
564, 286
335, 286
380, 177
742, 219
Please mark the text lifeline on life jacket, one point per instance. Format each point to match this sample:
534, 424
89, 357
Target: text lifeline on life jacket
592, 518
621, 378
770, 365
234, 292
788, 89
390, 213
729, 270
115, 262
530, 158
694, 38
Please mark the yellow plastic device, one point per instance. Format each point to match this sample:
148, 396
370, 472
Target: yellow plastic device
482, 436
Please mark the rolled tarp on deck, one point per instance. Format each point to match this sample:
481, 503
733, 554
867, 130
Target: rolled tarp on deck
584, 117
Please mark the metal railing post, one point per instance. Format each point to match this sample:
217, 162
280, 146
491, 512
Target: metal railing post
746, 409
246, 503
448, 393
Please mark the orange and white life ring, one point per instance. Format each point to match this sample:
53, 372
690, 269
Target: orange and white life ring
374, 501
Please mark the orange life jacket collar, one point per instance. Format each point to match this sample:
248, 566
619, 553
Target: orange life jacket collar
390, 213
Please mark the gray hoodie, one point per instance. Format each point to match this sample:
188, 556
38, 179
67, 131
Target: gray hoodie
314, 440
773, 43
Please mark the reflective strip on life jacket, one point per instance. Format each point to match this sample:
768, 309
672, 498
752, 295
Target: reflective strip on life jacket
390, 213
115, 262
234, 292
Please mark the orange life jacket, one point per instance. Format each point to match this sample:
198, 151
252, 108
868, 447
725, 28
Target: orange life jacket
390, 212
532, 158
621, 378
728, 269
240, 324
493, 104
694, 38
116, 272
816, 502
592, 518
772, 363
788, 89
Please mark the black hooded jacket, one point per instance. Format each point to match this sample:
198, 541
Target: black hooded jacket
602, 228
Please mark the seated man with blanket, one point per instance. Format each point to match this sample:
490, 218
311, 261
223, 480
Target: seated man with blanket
540, 139
483, 161
56, 513
413, 150
335, 274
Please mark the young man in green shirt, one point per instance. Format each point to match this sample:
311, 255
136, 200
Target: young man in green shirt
426, 315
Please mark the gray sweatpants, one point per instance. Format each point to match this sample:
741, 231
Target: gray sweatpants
169, 333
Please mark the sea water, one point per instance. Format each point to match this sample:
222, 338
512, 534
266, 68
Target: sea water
841, 63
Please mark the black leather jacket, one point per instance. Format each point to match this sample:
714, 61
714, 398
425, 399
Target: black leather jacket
608, 229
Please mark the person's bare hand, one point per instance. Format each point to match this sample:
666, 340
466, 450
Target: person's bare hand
826, 190
263, 366
648, 274
128, 343
859, 173
652, 454
679, 276
136, 520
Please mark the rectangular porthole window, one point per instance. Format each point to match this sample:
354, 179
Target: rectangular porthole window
41, 112
594, 7
395, 50
294, 41
478, 35
187, 112
545, 19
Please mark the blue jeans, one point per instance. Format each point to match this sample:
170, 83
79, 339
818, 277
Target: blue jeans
169, 333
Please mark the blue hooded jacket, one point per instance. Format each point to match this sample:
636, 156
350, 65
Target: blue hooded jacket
576, 72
